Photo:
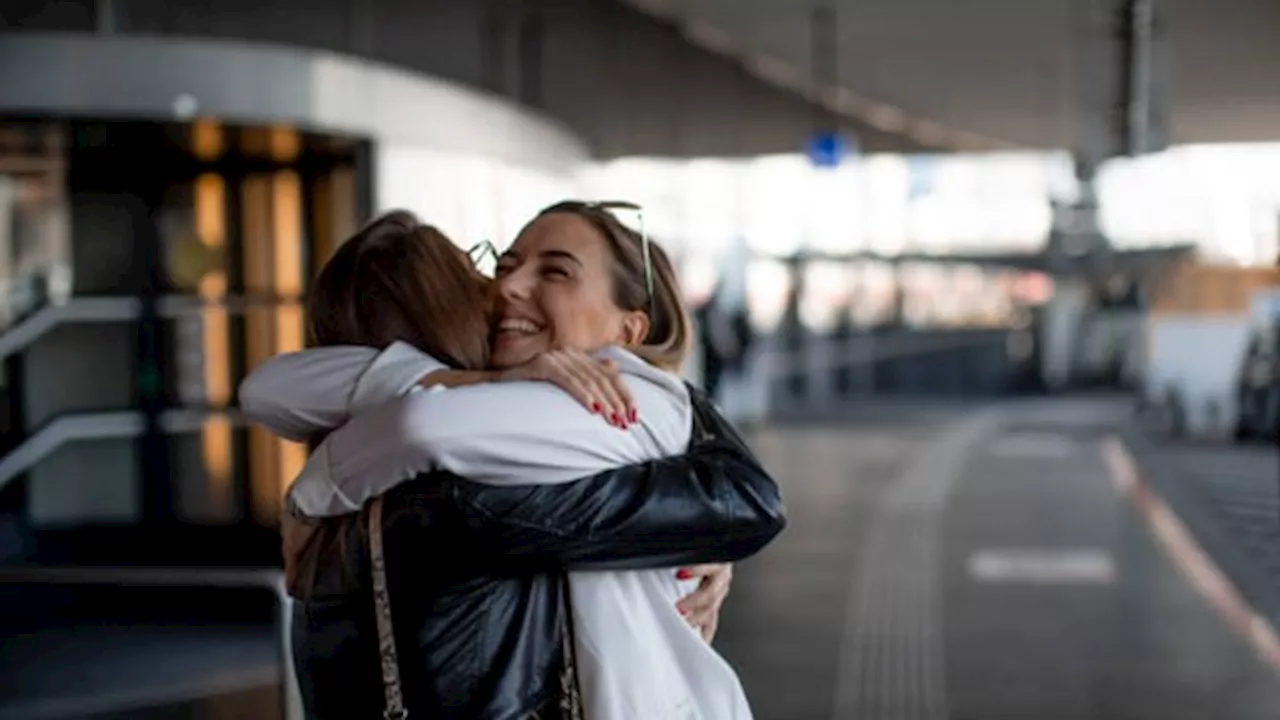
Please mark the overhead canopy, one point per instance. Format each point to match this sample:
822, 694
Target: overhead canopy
1034, 74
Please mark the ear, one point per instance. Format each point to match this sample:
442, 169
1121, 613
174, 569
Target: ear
635, 328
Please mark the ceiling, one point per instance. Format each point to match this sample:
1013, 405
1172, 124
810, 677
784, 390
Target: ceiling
981, 74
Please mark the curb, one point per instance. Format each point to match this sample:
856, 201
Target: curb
1190, 558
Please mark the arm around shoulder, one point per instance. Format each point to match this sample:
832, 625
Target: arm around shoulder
715, 503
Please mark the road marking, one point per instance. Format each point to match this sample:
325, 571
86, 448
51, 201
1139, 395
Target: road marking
891, 661
1189, 557
1033, 446
1043, 566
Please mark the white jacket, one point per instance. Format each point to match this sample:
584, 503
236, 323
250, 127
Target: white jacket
638, 658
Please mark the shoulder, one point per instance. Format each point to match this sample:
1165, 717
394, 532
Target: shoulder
635, 367
662, 398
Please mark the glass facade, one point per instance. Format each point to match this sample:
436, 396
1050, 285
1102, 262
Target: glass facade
149, 266
34, 231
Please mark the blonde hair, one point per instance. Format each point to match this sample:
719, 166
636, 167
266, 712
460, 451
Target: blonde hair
670, 334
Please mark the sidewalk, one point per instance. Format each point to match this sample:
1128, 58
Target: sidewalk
1228, 496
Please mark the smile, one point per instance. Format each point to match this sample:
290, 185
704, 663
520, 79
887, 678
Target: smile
518, 326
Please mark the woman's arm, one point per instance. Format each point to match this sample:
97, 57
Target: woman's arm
516, 433
298, 394
713, 504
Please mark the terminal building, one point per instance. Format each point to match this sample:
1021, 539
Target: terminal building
925, 271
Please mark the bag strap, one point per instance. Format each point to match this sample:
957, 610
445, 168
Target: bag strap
570, 692
394, 708
704, 425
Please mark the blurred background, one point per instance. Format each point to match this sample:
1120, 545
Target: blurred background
993, 286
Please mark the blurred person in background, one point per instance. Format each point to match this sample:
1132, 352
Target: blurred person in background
477, 569
726, 340
717, 344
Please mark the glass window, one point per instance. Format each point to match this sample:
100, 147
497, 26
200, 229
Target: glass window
35, 243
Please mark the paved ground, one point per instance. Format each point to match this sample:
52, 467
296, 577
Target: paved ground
113, 671
1228, 494
975, 565
957, 562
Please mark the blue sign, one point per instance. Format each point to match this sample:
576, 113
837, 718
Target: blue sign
826, 149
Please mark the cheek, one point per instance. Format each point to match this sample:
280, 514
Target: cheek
584, 325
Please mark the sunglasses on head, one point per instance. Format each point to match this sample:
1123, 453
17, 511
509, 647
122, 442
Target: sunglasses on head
480, 251
484, 248
614, 206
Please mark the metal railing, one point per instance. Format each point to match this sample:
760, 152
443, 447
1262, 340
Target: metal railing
79, 310
108, 309
98, 426
127, 424
820, 358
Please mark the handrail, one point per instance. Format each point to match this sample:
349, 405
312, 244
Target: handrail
270, 579
865, 349
98, 426
78, 310
103, 309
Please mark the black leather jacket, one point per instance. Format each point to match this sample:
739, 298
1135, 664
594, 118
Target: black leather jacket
476, 577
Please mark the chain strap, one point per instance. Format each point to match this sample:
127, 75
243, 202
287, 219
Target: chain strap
394, 708
570, 694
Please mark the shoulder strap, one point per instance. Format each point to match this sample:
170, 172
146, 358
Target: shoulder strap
703, 425
394, 708
570, 691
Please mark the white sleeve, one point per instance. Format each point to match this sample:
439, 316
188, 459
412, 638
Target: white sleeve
498, 433
298, 394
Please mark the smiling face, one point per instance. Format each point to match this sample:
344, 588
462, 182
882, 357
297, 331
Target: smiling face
554, 289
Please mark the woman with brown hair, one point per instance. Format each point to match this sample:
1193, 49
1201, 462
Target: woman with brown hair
477, 588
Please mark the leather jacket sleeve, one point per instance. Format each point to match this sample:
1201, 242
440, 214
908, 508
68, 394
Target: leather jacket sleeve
713, 504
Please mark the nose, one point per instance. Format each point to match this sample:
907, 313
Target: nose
515, 285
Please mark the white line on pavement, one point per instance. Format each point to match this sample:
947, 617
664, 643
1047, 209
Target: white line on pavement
1189, 557
1042, 566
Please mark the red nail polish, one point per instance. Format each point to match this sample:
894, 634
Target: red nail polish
634, 415
595, 408
617, 420
683, 574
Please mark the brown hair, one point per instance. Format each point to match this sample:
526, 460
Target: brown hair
667, 343
395, 279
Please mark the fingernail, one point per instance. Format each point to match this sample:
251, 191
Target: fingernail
683, 574
617, 419
683, 611
595, 408
634, 415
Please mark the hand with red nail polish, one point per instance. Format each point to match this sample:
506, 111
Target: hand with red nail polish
701, 608
597, 384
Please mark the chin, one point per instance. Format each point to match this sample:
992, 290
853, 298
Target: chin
512, 355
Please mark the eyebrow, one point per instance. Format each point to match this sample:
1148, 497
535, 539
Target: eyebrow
547, 254
561, 255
